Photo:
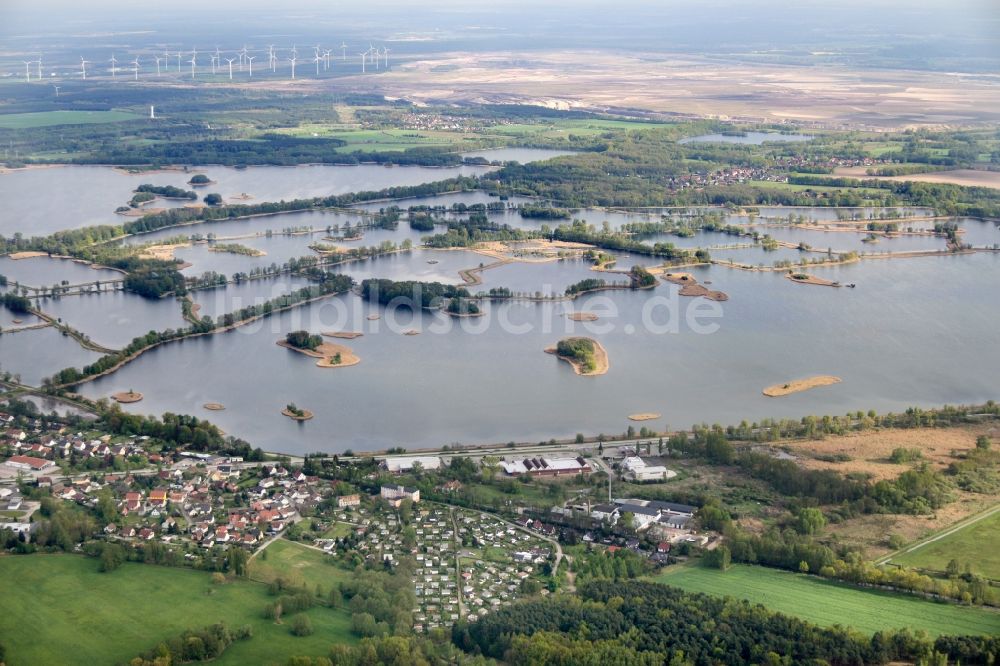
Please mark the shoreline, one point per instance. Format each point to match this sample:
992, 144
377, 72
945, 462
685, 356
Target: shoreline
799, 385
225, 329
600, 359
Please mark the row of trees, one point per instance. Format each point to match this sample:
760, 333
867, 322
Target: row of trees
193, 645
631, 622
330, 284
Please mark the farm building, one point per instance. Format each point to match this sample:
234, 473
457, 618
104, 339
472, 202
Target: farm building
546, 467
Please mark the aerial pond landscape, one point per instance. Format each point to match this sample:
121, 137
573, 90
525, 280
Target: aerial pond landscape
504, 334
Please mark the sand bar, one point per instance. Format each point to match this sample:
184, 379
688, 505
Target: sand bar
799, 385
811, 279
582, 316
345, 335
325, 352
690, 287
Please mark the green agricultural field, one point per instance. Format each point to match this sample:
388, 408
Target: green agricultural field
977, 545
299, 564
828, 603
49, 118
63, 611
382, 140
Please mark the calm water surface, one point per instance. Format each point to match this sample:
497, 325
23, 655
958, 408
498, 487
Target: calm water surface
883, 338
40, 201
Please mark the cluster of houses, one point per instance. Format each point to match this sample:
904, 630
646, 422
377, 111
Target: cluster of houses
37, 451
192, 508
667, 521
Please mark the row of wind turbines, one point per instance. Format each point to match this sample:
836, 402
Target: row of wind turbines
322, 59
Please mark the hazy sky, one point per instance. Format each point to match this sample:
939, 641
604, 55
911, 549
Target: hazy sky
916, 33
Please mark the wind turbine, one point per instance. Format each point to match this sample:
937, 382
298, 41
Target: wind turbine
326, 58
212, 58
272, 60
114, 61
243, 56
39, 62
250, 63
292, 60
343, 51
27, 69
385, 52
83, 66
135, 68
57, 91
157, 65
363, 56
193, 61
230, 61
316, 60
178, 60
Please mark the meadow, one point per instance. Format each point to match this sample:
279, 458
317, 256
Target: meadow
50, 118
977, 545
828, 603
297, 564
64, 611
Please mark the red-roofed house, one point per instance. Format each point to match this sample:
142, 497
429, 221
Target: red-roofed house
29, 463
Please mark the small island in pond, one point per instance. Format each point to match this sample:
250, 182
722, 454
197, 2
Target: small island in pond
330, 355
798, 385
127, 396
643, 416
296, 413
690, 287
805, 278
587, 356
200, 180
214, 406
582, 316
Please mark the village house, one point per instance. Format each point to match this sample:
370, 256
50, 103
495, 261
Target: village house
345, 501
395, 494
